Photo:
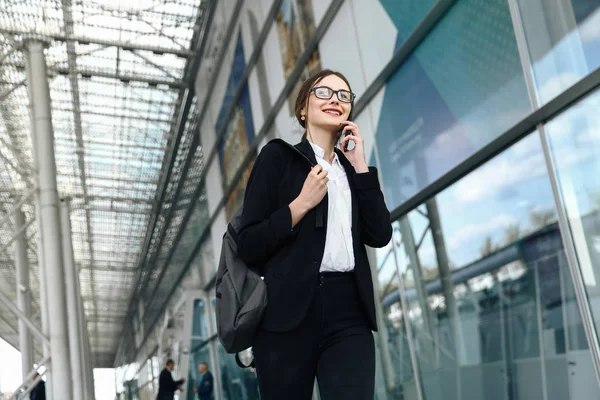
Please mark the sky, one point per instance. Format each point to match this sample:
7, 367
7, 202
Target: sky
10, 367
10, 374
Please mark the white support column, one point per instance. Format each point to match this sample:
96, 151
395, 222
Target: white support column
39, 98
23, 293
83, 352
72, 306
213, 349
84, 349
89, 360
43, 301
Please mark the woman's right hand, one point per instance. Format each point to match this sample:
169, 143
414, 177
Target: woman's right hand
313, 191
315, 187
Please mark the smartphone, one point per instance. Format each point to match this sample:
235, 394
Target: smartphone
348, 142
347, 134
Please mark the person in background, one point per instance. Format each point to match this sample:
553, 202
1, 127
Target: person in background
39, 391
205, 384
166, 385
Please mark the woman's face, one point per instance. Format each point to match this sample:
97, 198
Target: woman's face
328, 114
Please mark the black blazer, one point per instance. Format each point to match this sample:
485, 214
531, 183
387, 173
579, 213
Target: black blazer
289, 259
38, 392
167, 386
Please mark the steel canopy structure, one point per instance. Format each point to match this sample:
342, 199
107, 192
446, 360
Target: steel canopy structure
121, 84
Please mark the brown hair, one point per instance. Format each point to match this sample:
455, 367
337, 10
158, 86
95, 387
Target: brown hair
304, 94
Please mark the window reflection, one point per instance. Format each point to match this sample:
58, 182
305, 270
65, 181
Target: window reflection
394, 373
488, 294
200, 353
460, 89
236, 383
563, 40
200, 323
574, 138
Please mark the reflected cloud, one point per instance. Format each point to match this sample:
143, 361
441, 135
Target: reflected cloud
498, 175
477, 231
590, 29
556, 85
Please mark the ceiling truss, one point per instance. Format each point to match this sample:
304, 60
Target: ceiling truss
117, 75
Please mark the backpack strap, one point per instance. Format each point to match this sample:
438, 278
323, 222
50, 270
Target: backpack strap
293, 149
319, 208
241, 364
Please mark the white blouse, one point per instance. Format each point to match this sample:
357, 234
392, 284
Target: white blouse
339, 253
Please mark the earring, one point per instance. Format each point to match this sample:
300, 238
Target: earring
302, 117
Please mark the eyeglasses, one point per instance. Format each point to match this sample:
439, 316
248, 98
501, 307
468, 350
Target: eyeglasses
326, 93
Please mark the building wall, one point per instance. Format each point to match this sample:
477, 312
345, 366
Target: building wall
489, 288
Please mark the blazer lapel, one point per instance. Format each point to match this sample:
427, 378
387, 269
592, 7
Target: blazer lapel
305, 147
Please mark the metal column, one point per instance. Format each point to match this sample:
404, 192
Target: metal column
439, 243
43, 301
72, 306
410, 247
23, 293
88, 377
90, 365
213, 349
86, 359
39, 98
382, 333
412, 349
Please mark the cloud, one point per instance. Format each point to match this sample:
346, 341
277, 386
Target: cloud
573, 137
499, 174
589, 136
478, 231
556, 85
590, 29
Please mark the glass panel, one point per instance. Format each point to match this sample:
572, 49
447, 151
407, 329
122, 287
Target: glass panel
488, 290
146, 392
370, 32
155, 367
213, 303
200, 324
405, 14
199, 353
461, 88
394, 377
563, 40
574, 140
237, 383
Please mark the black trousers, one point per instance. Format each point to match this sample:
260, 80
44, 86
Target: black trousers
333, 344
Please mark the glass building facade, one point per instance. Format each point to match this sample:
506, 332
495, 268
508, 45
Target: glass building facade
482, 118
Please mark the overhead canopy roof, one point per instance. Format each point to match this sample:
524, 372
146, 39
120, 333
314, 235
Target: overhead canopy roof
117, 74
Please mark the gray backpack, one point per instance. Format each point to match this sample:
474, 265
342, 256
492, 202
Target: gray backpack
241, 294
240, 291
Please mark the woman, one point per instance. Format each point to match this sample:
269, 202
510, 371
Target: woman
306, 229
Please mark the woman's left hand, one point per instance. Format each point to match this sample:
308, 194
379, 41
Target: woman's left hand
357, 155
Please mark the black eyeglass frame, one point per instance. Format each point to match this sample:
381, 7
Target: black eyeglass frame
336, 92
